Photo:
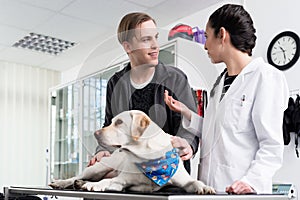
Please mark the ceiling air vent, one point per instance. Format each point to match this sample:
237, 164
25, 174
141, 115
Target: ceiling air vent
44, 44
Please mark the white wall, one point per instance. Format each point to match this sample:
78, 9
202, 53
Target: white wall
97, 60
270, 18
24, 122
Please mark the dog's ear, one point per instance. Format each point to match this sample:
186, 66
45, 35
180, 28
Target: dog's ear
139, 123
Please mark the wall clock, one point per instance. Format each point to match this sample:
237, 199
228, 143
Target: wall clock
283, 51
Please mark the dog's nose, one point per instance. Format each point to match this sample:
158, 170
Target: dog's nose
97, 133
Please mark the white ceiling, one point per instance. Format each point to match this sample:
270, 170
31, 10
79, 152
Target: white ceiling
85, 22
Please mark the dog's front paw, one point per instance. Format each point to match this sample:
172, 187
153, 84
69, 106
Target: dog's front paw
201, 188
102, 185
55, 185
60, 184
77, 185
208, 190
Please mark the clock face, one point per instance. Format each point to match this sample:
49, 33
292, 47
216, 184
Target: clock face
283, 51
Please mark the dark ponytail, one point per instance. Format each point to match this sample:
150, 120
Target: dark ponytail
237, 21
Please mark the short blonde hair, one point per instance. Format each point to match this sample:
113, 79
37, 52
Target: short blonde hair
129, 22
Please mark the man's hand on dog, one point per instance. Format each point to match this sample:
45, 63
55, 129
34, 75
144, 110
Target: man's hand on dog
98, 156
185, 150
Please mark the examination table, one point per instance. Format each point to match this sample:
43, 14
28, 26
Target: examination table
10, 192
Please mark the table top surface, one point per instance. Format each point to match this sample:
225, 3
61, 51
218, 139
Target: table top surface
37, 190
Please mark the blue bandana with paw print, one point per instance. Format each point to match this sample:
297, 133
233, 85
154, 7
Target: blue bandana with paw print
161, 170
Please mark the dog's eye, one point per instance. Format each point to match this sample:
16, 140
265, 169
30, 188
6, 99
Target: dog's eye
118, 122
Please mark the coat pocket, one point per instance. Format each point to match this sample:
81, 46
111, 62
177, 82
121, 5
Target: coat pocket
239, 115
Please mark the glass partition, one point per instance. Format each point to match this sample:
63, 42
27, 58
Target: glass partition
64, 132
77, 111
94, 99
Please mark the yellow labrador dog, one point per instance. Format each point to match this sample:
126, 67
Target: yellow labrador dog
145, 161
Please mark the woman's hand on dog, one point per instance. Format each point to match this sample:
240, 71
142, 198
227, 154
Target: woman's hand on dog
185, 150
98, 156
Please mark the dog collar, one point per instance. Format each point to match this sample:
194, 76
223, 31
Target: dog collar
161, 170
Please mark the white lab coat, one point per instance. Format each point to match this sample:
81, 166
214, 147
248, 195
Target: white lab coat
242, 135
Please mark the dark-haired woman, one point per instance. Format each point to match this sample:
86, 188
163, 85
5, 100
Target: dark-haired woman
241, 135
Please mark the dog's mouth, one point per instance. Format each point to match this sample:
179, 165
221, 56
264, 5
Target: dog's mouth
104, 144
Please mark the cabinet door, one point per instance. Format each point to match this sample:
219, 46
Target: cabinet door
167, 55
77, 111
94, 101
64, 132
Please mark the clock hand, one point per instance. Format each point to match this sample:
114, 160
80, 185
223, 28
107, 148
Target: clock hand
276, 52
282, 49
283, 53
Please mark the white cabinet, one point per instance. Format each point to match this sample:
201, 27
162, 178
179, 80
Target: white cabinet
64, 151
191, 58
77, 110
93, 100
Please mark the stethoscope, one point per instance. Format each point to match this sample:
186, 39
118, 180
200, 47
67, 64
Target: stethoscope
296, 143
